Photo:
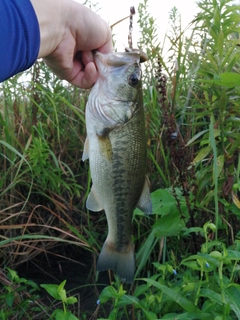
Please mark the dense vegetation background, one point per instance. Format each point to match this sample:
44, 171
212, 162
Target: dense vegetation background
187, 252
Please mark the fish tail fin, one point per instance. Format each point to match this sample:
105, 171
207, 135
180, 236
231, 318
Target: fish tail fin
120, 261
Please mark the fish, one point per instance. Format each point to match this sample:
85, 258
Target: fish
116, 148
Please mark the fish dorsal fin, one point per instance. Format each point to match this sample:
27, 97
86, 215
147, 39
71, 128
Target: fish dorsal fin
85, 154
93, 203
145, 203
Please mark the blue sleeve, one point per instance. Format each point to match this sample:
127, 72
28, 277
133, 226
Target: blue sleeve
19, 37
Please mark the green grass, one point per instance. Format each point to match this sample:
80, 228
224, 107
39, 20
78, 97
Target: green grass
187, 252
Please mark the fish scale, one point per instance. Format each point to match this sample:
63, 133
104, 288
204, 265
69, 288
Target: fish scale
116, 148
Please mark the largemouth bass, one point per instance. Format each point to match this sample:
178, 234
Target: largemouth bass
116, 148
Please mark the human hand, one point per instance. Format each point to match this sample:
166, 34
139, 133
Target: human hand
70, 32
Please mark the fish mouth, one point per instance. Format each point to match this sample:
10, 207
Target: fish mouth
118, 59
143, 55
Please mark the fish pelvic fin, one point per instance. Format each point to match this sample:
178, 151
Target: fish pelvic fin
145, 202
120, 261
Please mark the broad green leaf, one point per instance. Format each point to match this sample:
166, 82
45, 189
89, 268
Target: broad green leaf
52, 289
235, 200
234, 209
61, 315
141, 289
199, 134
58, 314
61, 286
227, 79
233, 255
208, 246
192, 265
202, 154
12, 275
10, 296
130, 300
169, 225
193, 229
220, 164
63, 295
70, 316
202, 257
110, 292
233, 293
71, 300
212, 295
127, 299
207, 198
162, 202
175, 296
234, 146
235, 285
187, 316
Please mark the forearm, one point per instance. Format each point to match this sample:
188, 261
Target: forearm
19, 37
63, 32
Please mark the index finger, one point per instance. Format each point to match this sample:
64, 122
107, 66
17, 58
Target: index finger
92, 32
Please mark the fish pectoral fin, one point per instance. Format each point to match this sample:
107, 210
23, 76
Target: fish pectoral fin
85, 154
93, 203
105, 147
145, 202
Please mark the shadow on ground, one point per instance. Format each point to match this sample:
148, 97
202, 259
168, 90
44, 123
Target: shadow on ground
81, 280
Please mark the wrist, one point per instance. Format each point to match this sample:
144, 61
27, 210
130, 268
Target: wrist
52, 18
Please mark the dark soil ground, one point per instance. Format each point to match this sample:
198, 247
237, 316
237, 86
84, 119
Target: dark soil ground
80, 276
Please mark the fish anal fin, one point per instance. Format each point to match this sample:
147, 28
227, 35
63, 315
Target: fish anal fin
85, 154
93, 203
145, 203
120, 261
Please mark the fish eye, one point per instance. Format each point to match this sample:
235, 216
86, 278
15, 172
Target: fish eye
133, 79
